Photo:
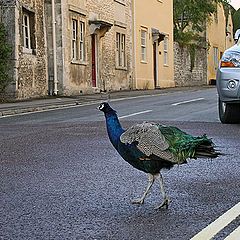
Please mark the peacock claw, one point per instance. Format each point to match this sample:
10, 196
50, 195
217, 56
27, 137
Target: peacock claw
137, 201
164, 204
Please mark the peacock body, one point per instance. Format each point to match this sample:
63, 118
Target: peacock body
150, 147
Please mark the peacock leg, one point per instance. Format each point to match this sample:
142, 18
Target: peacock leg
166, 200
150, 183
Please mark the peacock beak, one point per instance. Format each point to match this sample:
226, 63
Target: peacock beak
99, 108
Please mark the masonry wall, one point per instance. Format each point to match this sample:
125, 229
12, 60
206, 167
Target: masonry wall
28, 71
32, 63
77, 76
7, 17
59, 45
183, 74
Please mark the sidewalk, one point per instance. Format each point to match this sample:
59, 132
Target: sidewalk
59, 102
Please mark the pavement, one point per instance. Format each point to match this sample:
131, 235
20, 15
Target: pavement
53, 102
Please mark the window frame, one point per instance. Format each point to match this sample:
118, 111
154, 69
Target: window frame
28, 40
74, 38
82, 41
143, 43
121, 50
165, 51
215, 57
26, 31
78, 39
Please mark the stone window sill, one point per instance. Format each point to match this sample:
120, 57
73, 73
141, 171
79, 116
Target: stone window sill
78, 62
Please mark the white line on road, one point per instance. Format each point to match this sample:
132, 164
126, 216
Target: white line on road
234, 235
188, 101
134, 114
211, 230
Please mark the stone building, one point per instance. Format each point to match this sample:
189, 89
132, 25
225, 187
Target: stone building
24, 20
69, 47
89, 45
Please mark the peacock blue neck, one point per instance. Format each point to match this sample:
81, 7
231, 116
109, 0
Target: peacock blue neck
114, 127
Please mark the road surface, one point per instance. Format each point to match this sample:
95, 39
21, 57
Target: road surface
62, 179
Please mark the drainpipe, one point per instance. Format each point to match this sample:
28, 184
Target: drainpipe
55, 80
134, 77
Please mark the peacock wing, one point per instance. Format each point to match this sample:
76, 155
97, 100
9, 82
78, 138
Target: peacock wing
149, 140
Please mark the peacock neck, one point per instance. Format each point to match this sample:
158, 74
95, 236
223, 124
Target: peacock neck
114, 128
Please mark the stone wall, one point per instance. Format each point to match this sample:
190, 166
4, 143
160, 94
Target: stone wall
77, 76
33, 69
60, 49
32, 63
7, 17
183, 74
29, 65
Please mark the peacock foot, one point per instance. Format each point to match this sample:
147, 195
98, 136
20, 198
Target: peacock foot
137, 201
164, 204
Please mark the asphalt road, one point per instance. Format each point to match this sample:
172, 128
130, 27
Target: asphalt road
62, 179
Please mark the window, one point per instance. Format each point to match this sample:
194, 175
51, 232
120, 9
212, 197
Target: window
26, 31
82, 37
215, 57
28, 25
78, 40
143, 45
120, 50
74, 39
165, 51
216, 17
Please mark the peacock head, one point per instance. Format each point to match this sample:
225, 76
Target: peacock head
105, 107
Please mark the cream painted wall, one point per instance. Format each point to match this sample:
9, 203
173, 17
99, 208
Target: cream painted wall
216, 35
147, 15
230, 33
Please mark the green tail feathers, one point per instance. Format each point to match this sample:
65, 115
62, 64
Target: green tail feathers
186, 146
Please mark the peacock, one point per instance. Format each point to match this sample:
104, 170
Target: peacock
150, 147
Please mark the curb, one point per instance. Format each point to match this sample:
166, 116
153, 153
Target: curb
9, 112
33, 109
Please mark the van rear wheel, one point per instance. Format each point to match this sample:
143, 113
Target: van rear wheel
229, 112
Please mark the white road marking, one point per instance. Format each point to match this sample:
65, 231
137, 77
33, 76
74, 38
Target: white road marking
234, 235
188, 101
211, 230
134, 114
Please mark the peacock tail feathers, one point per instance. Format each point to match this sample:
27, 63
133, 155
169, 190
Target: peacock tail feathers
186, 146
